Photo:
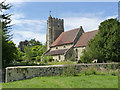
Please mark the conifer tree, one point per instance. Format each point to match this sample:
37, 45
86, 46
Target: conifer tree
9, 51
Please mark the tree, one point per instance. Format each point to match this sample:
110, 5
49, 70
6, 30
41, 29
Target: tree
22, 44
28, 53
31, 51
32, 42
106, 45
9, 51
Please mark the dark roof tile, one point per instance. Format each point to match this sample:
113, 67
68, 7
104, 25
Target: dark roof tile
56, 52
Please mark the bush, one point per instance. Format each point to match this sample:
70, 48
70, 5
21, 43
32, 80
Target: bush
93, 71
69, 71
47, 59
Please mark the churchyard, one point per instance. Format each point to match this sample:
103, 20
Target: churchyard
68, 59
83, 81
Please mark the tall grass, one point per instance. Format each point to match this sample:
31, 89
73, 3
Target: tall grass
71, 71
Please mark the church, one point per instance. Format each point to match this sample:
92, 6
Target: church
65, 45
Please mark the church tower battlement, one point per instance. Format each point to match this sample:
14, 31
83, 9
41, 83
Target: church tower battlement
55, 27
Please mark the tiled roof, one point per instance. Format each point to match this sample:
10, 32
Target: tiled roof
66, 37
85, 38
56, 52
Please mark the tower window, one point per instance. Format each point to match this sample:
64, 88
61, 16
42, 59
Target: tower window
58, 24
56, 47
64, 46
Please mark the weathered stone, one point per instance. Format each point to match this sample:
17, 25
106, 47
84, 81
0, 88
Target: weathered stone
26, 72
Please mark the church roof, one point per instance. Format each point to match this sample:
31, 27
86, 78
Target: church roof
66, 37
56, 52
85, 38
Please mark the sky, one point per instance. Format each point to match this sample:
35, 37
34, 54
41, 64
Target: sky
30, 18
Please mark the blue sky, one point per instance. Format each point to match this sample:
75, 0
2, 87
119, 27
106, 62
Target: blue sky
30, 17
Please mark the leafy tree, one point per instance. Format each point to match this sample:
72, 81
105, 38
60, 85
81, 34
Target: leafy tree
32, 53
47, 59
22, 44
32, 42
28, 53
105, 46
9, 51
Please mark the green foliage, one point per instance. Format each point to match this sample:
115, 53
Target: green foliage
31, 43
38, 50
31, 51
71, 59
9, 51
28, 53
105, 47
20, 55
85, 56
47, 59
69, 71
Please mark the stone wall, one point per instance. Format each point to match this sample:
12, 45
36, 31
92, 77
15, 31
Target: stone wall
58, 58
78, 52
27, 72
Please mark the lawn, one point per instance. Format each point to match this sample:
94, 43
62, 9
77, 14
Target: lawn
87, 81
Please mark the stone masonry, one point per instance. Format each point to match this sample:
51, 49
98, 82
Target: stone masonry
55, 27
27, 72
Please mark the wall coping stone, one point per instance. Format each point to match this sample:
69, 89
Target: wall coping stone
58, 65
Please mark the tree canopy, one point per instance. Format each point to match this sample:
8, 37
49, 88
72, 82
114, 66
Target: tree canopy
105, 47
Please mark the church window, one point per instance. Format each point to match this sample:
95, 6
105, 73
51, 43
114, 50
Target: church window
64, 46
56, 47
59, 57
76, 53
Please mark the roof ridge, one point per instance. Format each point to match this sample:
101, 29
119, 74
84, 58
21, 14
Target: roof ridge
77, 33
90, 31
71, 30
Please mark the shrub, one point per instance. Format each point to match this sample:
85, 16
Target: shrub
93, 71
47, 59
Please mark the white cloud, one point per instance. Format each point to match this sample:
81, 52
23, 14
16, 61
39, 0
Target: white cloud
88, 24
23, 35
18, 16
88, 21
109, 17
29, 29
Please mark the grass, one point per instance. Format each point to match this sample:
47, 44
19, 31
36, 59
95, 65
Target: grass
84, 81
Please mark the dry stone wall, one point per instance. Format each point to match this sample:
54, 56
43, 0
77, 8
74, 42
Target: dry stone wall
27, 72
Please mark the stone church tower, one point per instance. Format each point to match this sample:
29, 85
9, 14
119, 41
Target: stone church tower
55, 27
